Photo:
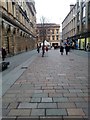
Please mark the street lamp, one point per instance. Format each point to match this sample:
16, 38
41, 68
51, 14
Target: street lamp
43, 33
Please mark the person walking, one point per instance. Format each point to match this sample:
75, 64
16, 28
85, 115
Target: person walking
43, 50
3, 53
46, 48
67, 49
38, 49
61, 49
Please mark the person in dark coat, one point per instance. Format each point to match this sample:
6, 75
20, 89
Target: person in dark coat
61, 49
3, 54
67, 49
38, 49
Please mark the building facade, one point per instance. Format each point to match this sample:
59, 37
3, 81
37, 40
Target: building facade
17, 25
76, 25
69, 23
49, 32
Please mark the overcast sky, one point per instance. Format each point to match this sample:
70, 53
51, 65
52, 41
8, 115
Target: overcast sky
54, 11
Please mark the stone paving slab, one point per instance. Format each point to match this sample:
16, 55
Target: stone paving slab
36, 100
28, 118
46, 100
27, 105
56, 112
38, 112
51, 118
47, 105
61, 99
75, 112
66, 105
19, 112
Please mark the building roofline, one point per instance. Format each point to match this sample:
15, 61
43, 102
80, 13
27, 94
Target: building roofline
68, 13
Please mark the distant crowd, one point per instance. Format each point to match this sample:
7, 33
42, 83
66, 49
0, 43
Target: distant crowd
44, 49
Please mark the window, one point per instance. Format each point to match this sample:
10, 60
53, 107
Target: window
48, 31
78, 16
89, 8
84, 10
78, 28
52, 37
52, 31
48, 37
13, 11
57, 37
83, 26
57, 31
78, 3
41, 32
7, 4
83, 0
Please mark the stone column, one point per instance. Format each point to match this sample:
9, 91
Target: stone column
4, 36
16, 43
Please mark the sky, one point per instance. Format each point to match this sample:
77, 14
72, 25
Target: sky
54, 11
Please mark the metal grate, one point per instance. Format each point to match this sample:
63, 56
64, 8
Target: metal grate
71, 59
24, 67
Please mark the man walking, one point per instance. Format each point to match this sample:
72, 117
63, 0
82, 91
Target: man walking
67, 49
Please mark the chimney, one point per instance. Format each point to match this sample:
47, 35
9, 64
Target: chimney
71, 6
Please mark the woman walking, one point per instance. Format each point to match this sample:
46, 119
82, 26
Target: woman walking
61, 49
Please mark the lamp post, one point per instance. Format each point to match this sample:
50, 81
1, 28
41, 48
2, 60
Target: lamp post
43, 34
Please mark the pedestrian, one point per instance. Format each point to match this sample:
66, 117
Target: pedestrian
26, 48
61, 49
0, 53
3, 53
38, 49
46, 48
67, 49
88, 47
43, 50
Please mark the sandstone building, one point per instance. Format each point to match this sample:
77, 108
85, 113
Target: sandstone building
76, 25
49, 32
17, 25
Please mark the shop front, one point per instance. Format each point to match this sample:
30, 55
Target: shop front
81, 43
88, 44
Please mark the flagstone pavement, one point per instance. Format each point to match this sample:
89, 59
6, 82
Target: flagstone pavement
53, 86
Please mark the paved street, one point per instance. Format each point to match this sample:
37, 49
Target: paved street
54, 86
18, 59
